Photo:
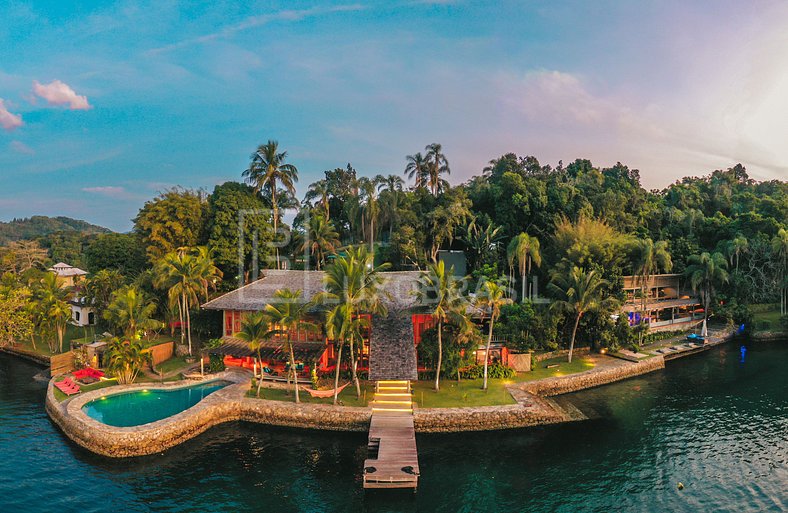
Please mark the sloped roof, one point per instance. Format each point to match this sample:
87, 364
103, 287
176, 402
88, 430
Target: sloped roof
399, 288
63, 269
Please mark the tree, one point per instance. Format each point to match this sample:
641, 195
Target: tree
480, 241
441, 291
525, 250
390, 188
353, 283
239, 230
780, 253
321, 238
267, 169
579, 292
417, 168
288, 314
492, 298
121, 252
55, 310
131, 312
370, 208
256, 330
23, 255
15, 321
705, 272
100, 287
320, 193
736, 248
172, 220
125, 359
437, 165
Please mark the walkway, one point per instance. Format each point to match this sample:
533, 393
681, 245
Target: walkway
393, 458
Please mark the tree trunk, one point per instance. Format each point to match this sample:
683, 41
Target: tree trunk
60, 337
188, 325
33, 339
276, 221
336, 374
440, 357
522, 275
260, 380
487, 351
293, 369
371, 234
574, 332
353, 366
180, 317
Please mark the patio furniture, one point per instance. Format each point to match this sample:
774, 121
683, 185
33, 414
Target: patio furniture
68, 387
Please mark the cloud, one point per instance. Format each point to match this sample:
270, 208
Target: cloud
111, 191
7, 120
60, 93
20, 147
257, 21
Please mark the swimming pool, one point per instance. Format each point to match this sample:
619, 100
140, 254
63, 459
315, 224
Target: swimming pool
145, 406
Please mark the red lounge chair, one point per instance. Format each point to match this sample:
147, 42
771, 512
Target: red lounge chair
67, 387
81, 374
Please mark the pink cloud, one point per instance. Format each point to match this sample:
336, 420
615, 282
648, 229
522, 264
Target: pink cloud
7, 120
20, 147
107, 190
60, 93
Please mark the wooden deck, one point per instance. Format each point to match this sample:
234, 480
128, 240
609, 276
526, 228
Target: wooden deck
393, 458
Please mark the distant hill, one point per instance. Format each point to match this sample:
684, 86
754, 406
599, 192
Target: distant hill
41, 226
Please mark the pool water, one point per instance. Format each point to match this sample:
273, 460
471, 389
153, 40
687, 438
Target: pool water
145, 406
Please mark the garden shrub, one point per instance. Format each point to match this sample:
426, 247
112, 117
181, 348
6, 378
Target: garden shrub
216, 363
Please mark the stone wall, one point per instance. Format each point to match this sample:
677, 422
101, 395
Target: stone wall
592, 378
578, 351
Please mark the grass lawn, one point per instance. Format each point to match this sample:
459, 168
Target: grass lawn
60, 396
766, 317
171, 365
346, 398
467, 392
541, 371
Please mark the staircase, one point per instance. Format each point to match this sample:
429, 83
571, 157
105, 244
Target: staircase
393, 397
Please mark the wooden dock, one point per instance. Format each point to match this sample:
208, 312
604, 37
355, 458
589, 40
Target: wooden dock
393, 458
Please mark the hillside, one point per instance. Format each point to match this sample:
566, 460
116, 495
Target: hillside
40, 226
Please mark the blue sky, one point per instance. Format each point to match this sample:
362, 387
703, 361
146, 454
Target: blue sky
105, 104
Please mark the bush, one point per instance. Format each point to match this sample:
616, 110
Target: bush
784, 322
494, 371
216, 363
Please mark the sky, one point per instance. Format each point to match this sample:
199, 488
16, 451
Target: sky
104, 105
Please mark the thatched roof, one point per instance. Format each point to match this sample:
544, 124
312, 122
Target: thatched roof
306, 351
399, 288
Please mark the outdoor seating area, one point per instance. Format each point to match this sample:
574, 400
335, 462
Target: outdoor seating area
88, 375
68, 387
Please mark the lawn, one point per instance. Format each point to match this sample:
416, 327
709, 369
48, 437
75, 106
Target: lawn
541, 370
171, 365
346, 398
463, 394
72, 333
60, 396
766, 316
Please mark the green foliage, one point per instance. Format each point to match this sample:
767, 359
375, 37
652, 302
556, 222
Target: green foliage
494, 371
125, 359
122, 252
174, 219
42, 226
216, 363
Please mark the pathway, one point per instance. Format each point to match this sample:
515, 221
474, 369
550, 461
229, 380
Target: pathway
393, 458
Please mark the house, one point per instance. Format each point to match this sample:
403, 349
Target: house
664, 303
82, 314
388, 349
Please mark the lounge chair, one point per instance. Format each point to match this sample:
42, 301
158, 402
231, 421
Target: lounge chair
68, 387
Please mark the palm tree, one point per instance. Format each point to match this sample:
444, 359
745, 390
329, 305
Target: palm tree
480, 241
125, 359
353, 283
526, 251
649, 258
580, 292
705, 272
55, 311
371, 210
780, 252
288, 314
492, 298
340, 326
321, 238
319, 191
267, 169
417, 168
255, 330
441, 291
736, 247
390, 188
437, 164
131, 311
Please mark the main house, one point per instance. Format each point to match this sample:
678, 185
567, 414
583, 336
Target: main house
388, 350
664, 303
82, 313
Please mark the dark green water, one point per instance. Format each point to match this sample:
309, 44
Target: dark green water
713, 422
145, 406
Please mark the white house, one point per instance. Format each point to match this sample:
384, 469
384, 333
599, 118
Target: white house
82, 314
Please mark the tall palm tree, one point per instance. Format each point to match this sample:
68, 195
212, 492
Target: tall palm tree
320, 194
321, 238
437, 164
390, 188
370, 208
480, 241
266, 170
579, 292
441, 291
55, 311
736, 248
525, 250
649, 258
131, 311
354, 283
780, 252
255, 330
705, 272
491, 299
341, 327
417, 168
289, 313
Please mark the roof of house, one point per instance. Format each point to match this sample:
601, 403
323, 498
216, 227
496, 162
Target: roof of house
63, 269
399, 289
306, 351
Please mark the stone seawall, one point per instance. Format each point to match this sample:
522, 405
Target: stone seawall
579, 351
225, 405
592, 378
